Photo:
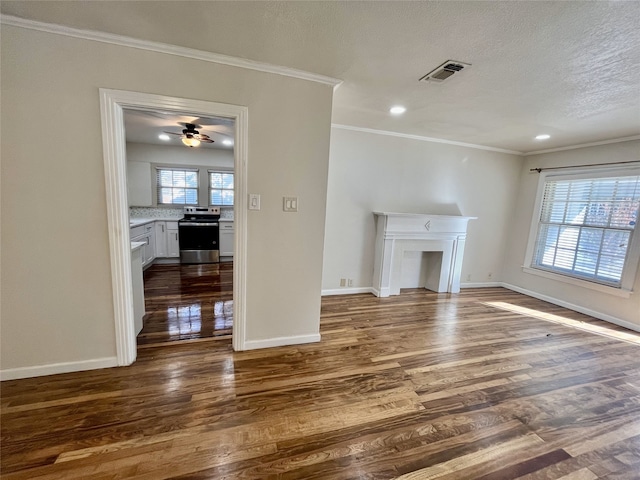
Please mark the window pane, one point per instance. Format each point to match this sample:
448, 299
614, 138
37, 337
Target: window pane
166, 179
191, 179
227, 180
178, 178
165, 195
216, 197
227, 197
216, 180
191, 196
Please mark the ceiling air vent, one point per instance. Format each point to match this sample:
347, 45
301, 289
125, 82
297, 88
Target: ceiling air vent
444, 71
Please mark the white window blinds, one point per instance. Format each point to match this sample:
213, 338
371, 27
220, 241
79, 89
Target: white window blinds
177, 186
220, 188
586, 226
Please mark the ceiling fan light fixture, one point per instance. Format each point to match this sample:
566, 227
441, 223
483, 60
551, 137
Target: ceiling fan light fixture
190, 141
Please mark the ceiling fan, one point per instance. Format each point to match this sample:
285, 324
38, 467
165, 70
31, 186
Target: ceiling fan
192, 137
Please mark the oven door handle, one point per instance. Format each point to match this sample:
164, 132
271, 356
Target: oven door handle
197, 224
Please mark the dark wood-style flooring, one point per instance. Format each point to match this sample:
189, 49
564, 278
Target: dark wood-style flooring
187, 302
487, 384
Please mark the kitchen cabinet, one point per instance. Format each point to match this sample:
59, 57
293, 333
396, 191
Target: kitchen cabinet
137, 284
161, 239
226, 238
147, 235
167, 239
173, 240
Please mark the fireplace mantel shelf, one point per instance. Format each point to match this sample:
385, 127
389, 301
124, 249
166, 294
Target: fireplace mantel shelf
397, 233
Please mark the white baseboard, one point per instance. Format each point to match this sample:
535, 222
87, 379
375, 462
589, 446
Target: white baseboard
55, 368
351, 291
576, 308
281, 341
480, 284
347, 291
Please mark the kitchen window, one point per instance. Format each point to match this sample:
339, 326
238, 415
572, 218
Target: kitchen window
586, 228
177, 186
220, 188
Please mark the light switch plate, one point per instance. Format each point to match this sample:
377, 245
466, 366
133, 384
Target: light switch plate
290, 204
254, 201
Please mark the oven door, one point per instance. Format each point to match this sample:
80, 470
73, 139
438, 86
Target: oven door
199, 242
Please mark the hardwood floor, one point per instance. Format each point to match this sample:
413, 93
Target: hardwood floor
484, 385
187, 302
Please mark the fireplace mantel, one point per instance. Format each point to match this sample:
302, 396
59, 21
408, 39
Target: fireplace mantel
397, 233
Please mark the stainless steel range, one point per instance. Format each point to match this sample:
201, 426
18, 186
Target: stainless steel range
200, 235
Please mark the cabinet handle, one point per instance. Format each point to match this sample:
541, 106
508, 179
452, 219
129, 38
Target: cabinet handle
162, 228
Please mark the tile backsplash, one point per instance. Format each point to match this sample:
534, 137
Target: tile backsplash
152, 212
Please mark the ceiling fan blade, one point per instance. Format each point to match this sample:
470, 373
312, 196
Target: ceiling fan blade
206, 140
173, 133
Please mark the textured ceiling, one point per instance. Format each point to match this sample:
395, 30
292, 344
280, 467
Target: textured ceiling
568, 69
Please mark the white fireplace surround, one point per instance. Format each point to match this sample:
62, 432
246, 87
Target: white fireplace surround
397, 233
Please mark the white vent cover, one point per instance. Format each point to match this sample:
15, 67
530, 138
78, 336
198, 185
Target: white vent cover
444, 71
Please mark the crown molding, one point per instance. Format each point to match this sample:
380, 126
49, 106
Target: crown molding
583, 145
424, 139
168, 49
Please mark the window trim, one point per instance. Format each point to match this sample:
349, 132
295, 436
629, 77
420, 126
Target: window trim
209, 188
632, 262
156, 183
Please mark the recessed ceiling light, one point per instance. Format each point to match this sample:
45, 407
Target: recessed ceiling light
227, 142
397, 110
164, 136
544, 136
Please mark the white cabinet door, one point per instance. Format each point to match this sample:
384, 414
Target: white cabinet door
161, 239
173, 243
226, 239
150, 247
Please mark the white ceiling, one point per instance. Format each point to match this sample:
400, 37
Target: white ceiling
143, 126
568, 69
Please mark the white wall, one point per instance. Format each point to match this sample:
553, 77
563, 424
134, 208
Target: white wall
141, 158
56, 296
179, 155
625, 311
370, 172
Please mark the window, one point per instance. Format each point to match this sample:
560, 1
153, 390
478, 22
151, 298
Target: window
177, 186
586, 227
220, 188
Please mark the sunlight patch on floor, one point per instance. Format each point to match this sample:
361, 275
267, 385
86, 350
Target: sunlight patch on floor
569, 322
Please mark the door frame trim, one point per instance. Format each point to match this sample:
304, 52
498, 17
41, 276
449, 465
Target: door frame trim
112, 103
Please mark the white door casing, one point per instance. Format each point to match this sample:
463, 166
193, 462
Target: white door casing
112, 103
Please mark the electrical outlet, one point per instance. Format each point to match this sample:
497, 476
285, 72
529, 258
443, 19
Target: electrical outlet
343, 282
489, 275
350, 282
469, 278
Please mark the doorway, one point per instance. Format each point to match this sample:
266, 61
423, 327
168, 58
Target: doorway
113, 102
179, 163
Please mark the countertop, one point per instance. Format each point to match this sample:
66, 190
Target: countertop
134, 222
136, 245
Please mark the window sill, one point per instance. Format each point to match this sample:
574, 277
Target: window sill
617, 292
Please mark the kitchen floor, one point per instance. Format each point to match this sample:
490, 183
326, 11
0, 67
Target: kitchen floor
187, 302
